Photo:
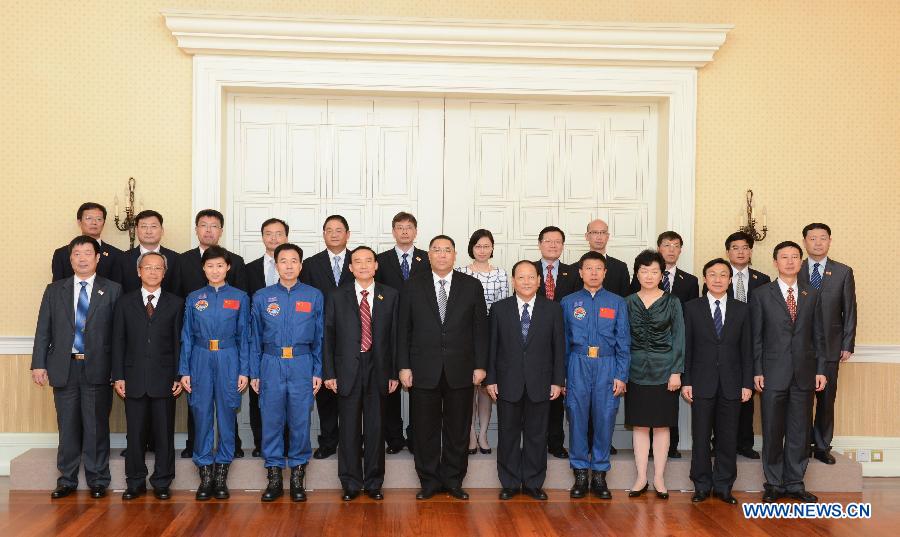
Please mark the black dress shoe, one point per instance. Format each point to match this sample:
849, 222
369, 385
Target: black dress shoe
123, 452
458, 493
375, 494
824, 456
749, 453
726, 497
802, 496
507, 494
323, 453
162, 493
662, 495
391, 450
238, 453
613, 450
61, 491
98, 491
132, 493
674, 454
349, 495
699, 496
635, 493
424, 494
559, 453
255, 453
471, 451
771, 496
537, 494
487, 451
187, 452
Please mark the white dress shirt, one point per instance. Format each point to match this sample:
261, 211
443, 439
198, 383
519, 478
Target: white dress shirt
369, 298
821, 263
331, 256
409, 254
270, 273
734, 278
554, 271
77, 291
722, 305
145, 293
784, 287
145, 250
671, 277
530, 303
437, 285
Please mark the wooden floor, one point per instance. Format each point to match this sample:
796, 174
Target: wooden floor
33, 513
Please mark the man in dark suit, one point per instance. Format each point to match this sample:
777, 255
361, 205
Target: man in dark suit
149, 232
442, 341
395, 266
837, 288
683, 285
789, 364
326, 271
261, 273
208, 225
616, 280
557, 280
358, 365
71, 351
718, 375
91, 219
526, 371
146, 344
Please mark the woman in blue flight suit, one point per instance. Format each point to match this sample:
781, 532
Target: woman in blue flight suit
214, 368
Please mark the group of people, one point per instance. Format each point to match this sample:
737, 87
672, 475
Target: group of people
345, 330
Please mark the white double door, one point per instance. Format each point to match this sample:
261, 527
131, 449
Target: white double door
506, 165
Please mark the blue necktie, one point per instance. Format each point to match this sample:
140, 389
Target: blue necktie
404, 267
80, 317
717, 320
815, 279
665, 281
336, 269
526, 322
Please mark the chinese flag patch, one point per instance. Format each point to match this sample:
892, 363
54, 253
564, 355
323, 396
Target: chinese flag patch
231, 304
304, 307
607, 313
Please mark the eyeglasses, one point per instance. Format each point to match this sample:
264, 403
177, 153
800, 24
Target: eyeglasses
149, 227
152, 269
596, 233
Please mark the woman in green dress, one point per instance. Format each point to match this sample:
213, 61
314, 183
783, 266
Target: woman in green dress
657, 361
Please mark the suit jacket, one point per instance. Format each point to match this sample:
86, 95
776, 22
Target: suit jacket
62, 267
55, 331
781, 349
838, 297
756, 280
389, 267
457, 347
567, 280
685, 286
317, 272
616, 280
191, 276
255, 276
529, 367
712, 363
145, 350
343, 336
125, 270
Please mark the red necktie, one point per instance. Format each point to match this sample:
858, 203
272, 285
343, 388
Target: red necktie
792, 304
365, 316
550, 283
150, 308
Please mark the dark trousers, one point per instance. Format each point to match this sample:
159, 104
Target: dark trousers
556, 436
745, 435
521, 448
823, 427
786, 415
82, 416
393, 420
159, 412
441, 417
327, 407
189, 443
719, 414
361, 414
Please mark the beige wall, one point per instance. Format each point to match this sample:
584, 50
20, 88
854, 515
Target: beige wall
800, 104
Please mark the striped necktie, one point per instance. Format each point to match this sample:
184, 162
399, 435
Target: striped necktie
815, 279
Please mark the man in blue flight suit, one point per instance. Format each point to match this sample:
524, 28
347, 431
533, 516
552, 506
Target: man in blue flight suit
286, 325
214, 367
598, 342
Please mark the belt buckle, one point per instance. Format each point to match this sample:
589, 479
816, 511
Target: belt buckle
78, 356
593, 352
287, 352
213, 344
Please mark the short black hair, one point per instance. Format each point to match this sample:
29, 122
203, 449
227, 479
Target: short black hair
786, 244
477, 236
816, 225
404, 216
87, 206
551, 229
739, 236
211, 213
442, 237
288, 246
669, 236
718, 261
215, 252
84, 239
592, 255
147, 213
270, 221
336, 217
647, 258
527, 262
362, 247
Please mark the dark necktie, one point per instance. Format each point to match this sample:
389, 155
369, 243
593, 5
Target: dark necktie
815, 279
80, 317
404, 267
665, 281
365, 317
150, 308
717, 320
792, 304
550, 283
526, 322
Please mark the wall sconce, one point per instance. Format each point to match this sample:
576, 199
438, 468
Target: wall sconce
127, 224
747, 223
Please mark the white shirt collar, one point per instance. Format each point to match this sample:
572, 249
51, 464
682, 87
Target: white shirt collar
143, 250
784, 287
723, 303
672, 270
359, 288
90, 281
821, 263
156, 294
448, 278
409, 253
331, 256
530, 303
745, 271
267, 258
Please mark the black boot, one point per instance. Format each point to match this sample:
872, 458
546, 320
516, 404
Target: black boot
275, 488
221, 486
580, 488
298, 492
205, 490
598, 486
